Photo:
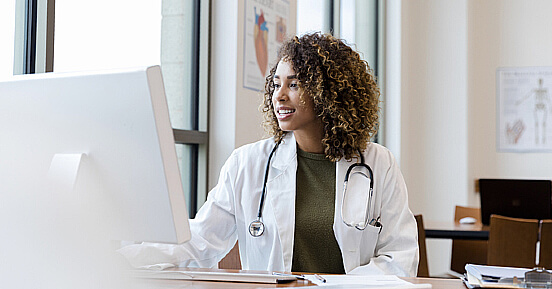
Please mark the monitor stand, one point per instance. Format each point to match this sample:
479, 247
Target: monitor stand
64, 170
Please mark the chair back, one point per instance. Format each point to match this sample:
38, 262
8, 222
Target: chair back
462, 212
231, 260
546, 245
467, 251
423, 268
512, 242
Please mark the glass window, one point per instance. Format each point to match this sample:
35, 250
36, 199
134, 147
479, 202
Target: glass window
7, 32
125, 33
111, 34
314, 15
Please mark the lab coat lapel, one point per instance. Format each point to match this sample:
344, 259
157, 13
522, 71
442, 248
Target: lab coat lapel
281, 193
347, 237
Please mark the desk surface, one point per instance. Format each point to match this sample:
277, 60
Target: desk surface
436, 283
455, 230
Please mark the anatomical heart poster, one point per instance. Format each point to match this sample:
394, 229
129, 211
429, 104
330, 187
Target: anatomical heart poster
265, 30
524, 109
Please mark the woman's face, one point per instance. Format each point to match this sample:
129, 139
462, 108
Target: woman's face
293, 115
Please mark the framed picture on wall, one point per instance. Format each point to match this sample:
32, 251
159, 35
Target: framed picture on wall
265, 30
524, 109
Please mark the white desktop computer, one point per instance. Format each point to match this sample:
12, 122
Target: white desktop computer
85, 159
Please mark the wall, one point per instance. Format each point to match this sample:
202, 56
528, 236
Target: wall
511, 33
450, 53
434, 133
234, 117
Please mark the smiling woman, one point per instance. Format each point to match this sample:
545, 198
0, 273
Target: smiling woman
339, 85
280, 198
295, 112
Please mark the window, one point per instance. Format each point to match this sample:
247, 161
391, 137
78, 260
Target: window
7, 33
126, 33
358, 22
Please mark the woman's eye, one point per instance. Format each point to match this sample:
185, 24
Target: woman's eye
294, 85
277, 85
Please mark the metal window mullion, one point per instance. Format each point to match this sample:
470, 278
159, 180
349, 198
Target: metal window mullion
30, 36
194, 114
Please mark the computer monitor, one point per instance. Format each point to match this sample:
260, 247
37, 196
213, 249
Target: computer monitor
98, 143
516, 198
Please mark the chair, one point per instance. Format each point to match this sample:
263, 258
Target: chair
467, 251
512, 242
546, 244
423, 269
231, 260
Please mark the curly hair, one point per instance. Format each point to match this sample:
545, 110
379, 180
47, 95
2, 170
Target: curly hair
344, 92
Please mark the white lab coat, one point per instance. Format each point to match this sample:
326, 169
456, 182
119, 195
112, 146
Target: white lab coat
234, 203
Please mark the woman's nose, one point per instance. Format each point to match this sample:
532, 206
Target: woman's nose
280, 95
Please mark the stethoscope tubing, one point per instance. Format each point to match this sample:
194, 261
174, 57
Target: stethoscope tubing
360, 226
263, 194
257, 225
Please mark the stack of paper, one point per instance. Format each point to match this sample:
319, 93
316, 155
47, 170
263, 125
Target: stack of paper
363, 281
480, 276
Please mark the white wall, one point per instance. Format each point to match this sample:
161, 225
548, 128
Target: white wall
511, 33
234, 117
450, 53
434, 134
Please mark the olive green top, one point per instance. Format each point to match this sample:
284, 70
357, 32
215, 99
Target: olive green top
315, 248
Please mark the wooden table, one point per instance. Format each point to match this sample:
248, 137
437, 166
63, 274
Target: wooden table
455, 230
437, 283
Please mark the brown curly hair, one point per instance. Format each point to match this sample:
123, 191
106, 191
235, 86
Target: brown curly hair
345, 93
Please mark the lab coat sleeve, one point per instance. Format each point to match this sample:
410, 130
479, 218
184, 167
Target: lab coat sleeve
213, 230
396, 250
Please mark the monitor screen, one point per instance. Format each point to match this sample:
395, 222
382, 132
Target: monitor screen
516, 198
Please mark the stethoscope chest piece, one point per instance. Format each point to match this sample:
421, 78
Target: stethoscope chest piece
256, 228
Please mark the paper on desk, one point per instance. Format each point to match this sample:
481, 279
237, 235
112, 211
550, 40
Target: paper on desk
480, 271
364, 281
157, 267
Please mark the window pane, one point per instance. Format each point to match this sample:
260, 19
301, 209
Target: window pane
7, 28
184, 157
176, 59
106, 34
313, 15
126, 33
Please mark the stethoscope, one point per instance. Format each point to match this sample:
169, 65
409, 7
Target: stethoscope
257, 227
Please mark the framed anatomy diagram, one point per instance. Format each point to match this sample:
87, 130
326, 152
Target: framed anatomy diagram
524, 109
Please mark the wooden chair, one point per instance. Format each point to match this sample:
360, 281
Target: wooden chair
467, 251
231, 260
512, 242
423, 268
546, 245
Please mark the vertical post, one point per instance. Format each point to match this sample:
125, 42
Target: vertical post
30, 36
195, 109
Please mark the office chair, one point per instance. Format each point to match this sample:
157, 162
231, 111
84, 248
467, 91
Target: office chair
231, 260
512, 242
423, 268
467, 251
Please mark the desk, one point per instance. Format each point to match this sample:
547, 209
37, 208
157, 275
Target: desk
455, 230
437, 283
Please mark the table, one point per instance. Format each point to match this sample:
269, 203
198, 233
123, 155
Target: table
437, 283
455, 230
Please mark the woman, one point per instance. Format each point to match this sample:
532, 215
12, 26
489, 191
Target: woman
321, 107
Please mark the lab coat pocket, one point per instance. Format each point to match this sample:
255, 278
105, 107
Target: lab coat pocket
368, 243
